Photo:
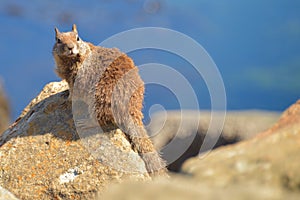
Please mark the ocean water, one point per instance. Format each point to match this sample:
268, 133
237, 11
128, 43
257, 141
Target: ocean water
254, 44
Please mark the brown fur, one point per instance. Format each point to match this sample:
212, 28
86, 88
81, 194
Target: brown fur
119, 92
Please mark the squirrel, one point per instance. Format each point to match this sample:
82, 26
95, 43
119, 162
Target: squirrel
112, 110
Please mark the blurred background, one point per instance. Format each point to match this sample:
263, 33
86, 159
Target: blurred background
255, 44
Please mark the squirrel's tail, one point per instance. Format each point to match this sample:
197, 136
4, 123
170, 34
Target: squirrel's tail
141, 142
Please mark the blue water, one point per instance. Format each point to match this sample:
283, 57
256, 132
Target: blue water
255, 44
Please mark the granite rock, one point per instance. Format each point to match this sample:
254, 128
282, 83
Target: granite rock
43, 157
271, 158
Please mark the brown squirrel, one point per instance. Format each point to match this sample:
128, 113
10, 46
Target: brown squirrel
112, 110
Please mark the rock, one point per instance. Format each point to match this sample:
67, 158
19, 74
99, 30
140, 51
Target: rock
42, 156
4, 111
6, 195
181, 188
270, 158
265, 167
184, 131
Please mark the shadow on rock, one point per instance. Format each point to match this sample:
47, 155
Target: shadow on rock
180, 134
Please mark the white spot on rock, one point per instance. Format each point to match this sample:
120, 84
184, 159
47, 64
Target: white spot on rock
70, 175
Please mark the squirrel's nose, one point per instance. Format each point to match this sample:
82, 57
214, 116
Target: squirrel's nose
70, 46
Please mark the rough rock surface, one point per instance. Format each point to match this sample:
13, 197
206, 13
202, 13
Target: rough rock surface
265, 167
4, 111
271, 158
186, 130
42, 156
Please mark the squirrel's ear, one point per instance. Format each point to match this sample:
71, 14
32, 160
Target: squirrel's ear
74, 28
56, 31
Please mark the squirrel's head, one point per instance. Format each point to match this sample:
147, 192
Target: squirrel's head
69, 44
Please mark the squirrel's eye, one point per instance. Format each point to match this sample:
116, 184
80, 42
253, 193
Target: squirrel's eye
77, 38
58, 40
